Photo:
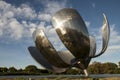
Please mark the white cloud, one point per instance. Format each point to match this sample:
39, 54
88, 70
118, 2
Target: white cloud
53, 6
114, 35
50, 8
87, 23
11, 28
9, 14
44, 16
114, 47
25, 11
4, 5
9, 25
114, 43
14, 29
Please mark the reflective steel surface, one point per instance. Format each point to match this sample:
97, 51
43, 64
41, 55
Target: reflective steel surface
92, 46
66, 56
105, 36
81, 47
41, 60
47, 50
73, 32
105, 33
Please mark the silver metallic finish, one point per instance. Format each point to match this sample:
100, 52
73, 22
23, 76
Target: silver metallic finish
105, 36
73, 32
92, 46
47, 50
86, 73
66, 56
41, 60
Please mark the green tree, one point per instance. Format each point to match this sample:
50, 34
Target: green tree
20, 70
117, 71
31, 69
101, 68
3, 69
109, 67
95, 68
12, 70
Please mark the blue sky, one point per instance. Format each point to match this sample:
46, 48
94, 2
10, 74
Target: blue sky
19, 18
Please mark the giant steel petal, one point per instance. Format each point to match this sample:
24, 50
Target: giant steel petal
72, 31
105, 33
47, 50
92, 46
41, 60
105, 36
66, 56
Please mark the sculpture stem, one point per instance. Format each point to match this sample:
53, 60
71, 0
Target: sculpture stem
83, 68
86, 72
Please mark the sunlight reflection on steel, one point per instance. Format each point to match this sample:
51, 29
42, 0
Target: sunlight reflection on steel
105, 36
47, 50
76, 32
81, 47
41, 60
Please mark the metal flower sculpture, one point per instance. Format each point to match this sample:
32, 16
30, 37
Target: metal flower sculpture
73, 32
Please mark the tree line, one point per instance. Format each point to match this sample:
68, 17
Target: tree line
94, 68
